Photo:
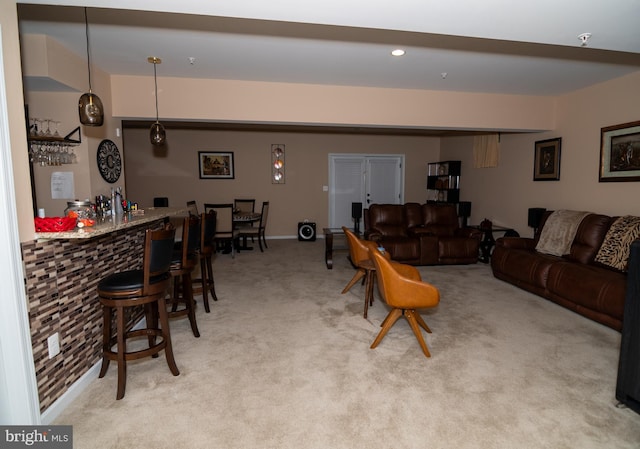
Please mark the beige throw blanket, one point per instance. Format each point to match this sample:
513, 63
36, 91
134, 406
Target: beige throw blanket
559, 231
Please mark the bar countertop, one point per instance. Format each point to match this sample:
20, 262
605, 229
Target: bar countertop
119, 222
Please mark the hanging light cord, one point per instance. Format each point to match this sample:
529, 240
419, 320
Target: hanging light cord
86, 32
155, 80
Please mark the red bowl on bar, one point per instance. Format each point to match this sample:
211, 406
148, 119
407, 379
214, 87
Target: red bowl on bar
55, 224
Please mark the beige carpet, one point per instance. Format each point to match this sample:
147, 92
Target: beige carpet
284, 363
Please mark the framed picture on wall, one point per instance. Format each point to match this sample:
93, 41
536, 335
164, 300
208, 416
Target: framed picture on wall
547, 160
620, 153
216, 164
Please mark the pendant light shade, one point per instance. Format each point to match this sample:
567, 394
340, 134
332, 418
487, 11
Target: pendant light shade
157, 134
90, 106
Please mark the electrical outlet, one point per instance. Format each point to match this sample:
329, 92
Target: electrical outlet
54, 345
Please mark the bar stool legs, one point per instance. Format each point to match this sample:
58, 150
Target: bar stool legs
184, 260
154, 307
183, 294
205, 284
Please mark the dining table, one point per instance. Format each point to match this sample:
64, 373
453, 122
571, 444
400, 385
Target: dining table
241, 218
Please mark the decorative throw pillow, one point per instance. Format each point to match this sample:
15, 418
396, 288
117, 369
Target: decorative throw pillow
614, 251
559, 231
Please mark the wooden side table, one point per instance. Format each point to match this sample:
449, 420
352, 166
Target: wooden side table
328, 244
489, 241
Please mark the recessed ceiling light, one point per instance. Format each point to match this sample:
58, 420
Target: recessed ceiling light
398, 52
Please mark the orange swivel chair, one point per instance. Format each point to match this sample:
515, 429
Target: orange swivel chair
359, 254
404, 291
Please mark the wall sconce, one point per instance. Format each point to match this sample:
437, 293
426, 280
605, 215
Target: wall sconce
277, 163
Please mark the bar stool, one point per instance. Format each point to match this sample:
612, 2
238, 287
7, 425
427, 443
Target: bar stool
148, 287
184, 260
205, 283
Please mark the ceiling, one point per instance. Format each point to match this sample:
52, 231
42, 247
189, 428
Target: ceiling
493, 46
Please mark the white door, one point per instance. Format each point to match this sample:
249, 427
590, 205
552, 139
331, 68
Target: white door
383, 180
366, 179
346, 186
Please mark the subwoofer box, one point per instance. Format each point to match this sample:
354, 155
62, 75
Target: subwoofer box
306, 231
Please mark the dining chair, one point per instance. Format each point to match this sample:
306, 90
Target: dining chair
244, 205
258, 232
193, 208
133, 288
225, 235
161, 201
403, 290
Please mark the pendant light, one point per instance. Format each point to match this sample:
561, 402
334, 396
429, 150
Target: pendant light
157, 133
90, 106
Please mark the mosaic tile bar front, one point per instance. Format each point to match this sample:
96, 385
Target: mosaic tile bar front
61, 277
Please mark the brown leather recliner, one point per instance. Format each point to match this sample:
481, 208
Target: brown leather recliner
422, 234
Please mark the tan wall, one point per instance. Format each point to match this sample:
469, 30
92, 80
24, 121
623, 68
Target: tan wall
307, 161
42, 56
246, 101
17, 126
503, 194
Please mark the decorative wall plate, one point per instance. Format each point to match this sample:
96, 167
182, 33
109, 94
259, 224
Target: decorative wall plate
109, 161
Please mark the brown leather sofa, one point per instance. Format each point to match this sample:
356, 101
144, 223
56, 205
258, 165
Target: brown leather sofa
421, 234
575, 281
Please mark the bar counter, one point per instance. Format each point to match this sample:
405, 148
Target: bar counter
116, 223
62, 271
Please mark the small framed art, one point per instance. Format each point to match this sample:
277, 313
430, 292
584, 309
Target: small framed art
620, 153
216, 165
547, 160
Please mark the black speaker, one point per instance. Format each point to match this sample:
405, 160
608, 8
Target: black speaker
356, 210
535, 216
464, 209
356, 214
306, 231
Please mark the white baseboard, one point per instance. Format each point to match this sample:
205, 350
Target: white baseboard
50, 414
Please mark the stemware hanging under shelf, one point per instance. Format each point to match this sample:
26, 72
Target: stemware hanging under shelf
45, 148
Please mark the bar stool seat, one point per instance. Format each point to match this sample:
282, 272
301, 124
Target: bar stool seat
183, 261
145, 287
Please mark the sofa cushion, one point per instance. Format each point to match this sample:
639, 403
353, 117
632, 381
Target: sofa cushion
587, 286
522, 266
404, 249
388, 220
413, 214
614, 251
440, 214
457, 250
589, 237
